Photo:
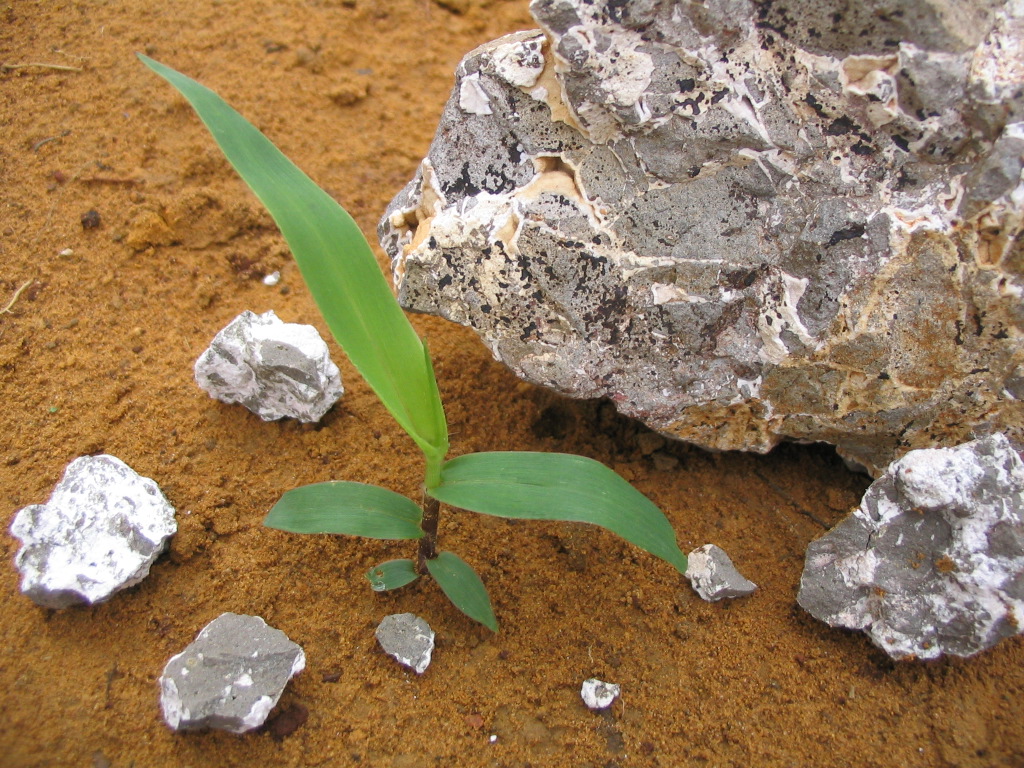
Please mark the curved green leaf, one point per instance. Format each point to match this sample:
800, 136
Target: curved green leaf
557, 486
392, 575
463, 587
354, 509
338, 266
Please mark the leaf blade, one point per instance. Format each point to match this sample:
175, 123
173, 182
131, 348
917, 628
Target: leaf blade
392, 574
343, 507
337, 265
463, 587
557, 486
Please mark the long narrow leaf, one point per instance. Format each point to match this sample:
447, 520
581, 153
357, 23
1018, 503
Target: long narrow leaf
337, 265
355, 509
463, 587
392, 575
557, 486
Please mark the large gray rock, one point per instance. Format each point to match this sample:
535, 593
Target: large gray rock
274, 369
230, 677
99, 533
932, 561
741, 224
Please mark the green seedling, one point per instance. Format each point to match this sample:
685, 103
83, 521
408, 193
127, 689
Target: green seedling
348, 286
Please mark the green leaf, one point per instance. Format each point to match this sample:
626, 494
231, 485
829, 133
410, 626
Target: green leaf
557, 486
355, 509
338, 266
392, 575
463, 587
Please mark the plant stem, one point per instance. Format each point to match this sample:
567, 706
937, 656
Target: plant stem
433, 469
428, 543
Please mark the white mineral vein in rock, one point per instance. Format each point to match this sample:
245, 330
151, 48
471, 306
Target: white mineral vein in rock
997, 67
624, 73
662, 293
472, 96
519, 63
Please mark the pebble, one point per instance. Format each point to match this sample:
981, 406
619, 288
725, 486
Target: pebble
230, 677
408, 639
713, 575
275, 369
99, 533
598, 694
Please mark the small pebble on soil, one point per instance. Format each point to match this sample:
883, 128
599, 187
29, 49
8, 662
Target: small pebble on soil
713, 575
598, 695
408, 639
231, 677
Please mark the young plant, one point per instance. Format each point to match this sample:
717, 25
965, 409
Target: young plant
341, 272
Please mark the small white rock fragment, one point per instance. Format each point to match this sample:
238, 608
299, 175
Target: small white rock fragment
275, 369
272, 279
230, 677
713, 575
99, 533
408, 639
598, 694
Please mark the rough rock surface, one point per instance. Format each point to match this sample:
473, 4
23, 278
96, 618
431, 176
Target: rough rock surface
714, 577
742, 222
597, 694
230, 677
407, 638
932, 561
100, 532
273, 368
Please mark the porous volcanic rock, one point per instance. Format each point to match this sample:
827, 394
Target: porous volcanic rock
740, 223
932, 562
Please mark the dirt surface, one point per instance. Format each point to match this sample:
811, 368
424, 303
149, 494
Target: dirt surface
96, 355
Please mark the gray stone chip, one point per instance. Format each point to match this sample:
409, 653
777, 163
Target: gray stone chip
230, 677
275, 369
99, 533
932, 562
713, 575
407, 638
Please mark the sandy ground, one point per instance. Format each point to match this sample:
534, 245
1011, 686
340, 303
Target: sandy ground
96, 355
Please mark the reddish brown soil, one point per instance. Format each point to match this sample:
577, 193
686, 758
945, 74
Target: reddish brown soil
96, 355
